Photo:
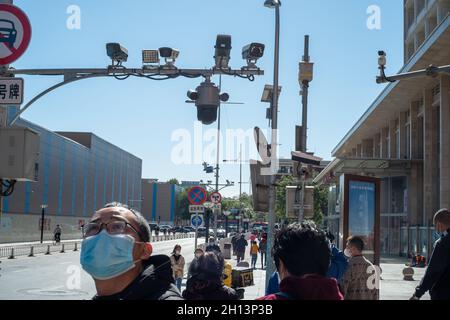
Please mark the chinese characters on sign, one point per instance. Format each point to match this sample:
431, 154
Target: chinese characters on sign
11, 91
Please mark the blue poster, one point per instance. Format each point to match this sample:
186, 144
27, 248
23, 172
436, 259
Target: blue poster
361, 212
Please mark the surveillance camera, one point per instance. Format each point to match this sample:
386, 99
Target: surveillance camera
253, 51
381, 59
223, 49
192, 94
169, 54
207, 102
224, 97
116, 52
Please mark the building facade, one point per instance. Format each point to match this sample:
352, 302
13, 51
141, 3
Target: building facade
78, 174
404, 139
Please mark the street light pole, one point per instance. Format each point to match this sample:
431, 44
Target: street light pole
240, 186
274, 145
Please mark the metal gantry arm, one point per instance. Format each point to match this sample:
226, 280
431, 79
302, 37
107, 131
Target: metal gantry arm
148, 72
431, 71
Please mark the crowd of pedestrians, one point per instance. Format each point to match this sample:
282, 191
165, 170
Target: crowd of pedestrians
117, 253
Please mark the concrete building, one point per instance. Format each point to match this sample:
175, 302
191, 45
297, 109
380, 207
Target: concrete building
404, 138
78, 174
160, 201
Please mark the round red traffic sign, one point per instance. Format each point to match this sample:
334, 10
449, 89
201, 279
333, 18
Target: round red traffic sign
215, 197
197, 196
15, 33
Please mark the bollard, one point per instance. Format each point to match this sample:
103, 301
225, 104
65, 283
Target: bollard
31, 252
48, 250
62, 249
12, 254
75, 249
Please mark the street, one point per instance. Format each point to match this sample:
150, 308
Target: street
55, 277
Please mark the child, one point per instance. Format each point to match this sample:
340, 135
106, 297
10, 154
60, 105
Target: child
254, 253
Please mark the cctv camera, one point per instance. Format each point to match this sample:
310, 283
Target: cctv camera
116, 52
169, 54
381, 59
192, 94
253, 51
223, 49
207, 102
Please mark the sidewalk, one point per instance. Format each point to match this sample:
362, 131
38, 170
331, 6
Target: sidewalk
259, 278
392, 285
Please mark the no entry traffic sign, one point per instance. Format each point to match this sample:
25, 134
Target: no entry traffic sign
197, 196
15, 33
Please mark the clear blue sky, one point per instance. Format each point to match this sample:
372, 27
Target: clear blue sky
141, 115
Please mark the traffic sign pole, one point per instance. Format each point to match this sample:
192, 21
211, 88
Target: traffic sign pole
4, 108
196, 234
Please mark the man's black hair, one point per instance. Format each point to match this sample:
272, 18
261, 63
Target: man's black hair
303, 250
356, 242
208, 266
144, 228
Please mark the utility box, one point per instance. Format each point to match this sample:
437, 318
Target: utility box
19, 154
293, 202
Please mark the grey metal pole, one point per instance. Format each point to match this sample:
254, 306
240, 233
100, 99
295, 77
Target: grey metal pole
240, 187
217, 161
305, 89
274, 145
1, 209
42, 223
302, 203
4, 108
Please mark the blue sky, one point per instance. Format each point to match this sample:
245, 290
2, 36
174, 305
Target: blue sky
141, 115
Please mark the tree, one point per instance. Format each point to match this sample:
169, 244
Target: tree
174, 181
182, 206
320, 204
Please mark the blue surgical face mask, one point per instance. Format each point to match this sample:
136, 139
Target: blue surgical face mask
106, 256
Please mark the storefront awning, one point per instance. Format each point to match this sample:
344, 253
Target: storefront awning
375, 167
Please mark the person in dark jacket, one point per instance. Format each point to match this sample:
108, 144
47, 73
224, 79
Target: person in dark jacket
302, 257
206, 281
117, 253
212, 246
338, 263
274, 284
437, 276
241, 243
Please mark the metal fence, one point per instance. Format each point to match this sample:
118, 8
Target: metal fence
45, 248
34, 249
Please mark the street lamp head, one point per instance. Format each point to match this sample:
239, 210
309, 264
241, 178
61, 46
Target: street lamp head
272, 3
150, 56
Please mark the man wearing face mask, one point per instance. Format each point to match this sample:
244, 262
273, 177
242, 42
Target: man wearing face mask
356, 283
437, 277
117, 253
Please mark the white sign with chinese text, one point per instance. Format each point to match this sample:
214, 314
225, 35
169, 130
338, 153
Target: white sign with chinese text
11, 91
196, 209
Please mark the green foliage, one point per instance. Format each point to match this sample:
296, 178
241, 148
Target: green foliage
174, 181
320, 204
182, 206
